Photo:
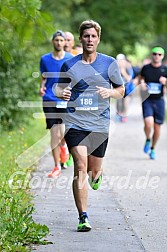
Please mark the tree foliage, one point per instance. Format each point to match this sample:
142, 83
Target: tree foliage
27, 25
125, 23
20, 32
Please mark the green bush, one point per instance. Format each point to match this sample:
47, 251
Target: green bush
17, 85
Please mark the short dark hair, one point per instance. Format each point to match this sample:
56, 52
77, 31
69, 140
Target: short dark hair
89, 24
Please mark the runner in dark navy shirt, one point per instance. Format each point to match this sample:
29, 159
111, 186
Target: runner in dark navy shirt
153, 79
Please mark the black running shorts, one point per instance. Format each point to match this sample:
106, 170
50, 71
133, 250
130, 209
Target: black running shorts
96, 142
53, 115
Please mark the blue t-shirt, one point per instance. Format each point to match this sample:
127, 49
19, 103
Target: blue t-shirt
51, 67
86, 109
129, 86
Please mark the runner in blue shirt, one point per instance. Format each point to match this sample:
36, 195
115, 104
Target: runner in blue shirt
50, 65
87, 82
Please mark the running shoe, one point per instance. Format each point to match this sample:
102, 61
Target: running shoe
118, 118
83, 225
70, 161
152, 154
147, 146
124, 119
95, 184
64, 165
64, 154
55, 172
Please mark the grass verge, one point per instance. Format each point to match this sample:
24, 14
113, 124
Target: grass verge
18, 231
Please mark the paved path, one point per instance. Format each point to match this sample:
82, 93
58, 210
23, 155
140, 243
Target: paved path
127, 213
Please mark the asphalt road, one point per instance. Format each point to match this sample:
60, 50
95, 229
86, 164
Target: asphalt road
128, 212
143, 190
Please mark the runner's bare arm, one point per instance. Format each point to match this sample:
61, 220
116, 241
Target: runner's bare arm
64, 93
141, 82
116, 93
42, 86
163, 80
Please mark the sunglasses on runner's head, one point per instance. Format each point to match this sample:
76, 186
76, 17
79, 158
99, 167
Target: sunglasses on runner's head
159, 54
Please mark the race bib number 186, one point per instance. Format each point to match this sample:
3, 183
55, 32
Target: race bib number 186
88, 100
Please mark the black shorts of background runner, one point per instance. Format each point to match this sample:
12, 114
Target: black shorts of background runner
53, 115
